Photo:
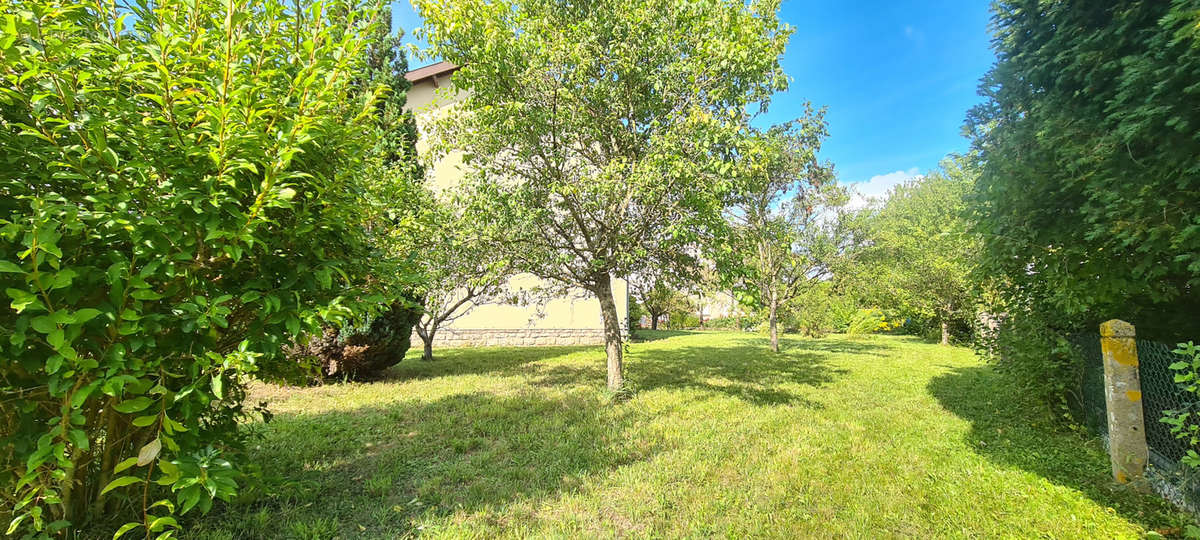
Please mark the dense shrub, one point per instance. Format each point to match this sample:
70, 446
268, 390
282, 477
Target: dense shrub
682, 320
178, 196
636, 311
819, 311
378, 337
1034, 351
870, 321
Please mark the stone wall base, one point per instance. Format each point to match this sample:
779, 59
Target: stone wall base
514, 337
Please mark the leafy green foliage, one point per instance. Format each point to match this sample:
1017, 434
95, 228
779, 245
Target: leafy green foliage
869, 321
459, 268
819, 310
179, 194
378, 336
657, 298
600, 135
1185, 423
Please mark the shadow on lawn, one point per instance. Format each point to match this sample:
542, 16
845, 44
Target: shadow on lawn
466, 361
382, 467
744, 368
644, 335
1008, 428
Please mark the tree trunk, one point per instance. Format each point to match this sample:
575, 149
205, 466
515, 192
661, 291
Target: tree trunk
774, 326
426, 336
428, 354
612, 332
945, 333
653, 321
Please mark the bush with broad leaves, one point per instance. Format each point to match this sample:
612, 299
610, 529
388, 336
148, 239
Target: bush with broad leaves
180, 194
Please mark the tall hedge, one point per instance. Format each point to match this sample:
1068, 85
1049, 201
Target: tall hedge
180, 192
1090, 186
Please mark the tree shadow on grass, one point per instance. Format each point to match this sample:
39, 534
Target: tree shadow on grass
1009, 428
743, 368
861, 345
390, 468
467, 361
383, 468
644, 335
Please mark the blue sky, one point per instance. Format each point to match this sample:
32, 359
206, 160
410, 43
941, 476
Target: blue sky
897, 77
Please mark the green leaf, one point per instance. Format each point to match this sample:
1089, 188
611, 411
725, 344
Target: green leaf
44, 324
54, 363
143, 421
125, 464
78, 438
85, 315
165, 503
119, 483
23, 299
159, 523
63, 279
10, 268
133, 405
145, 294
55, 338
126, 528
218, 386
16, 522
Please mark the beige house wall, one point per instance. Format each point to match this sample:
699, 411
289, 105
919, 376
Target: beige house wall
569, 319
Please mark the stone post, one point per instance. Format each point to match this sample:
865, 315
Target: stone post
1123, 395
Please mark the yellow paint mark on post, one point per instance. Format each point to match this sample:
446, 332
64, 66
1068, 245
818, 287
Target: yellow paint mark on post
1134, 395
1122, 351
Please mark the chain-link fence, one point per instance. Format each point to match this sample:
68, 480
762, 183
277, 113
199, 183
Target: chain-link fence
1159, 393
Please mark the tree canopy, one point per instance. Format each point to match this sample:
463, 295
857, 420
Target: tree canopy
785, 217
598, 134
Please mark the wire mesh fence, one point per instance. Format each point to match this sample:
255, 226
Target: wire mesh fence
1159, 394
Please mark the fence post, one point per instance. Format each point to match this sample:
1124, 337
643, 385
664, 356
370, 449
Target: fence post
1123, 395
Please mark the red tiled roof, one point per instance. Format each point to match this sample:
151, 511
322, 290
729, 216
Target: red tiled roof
432, 70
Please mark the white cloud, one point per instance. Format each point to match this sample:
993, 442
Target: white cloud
862, 193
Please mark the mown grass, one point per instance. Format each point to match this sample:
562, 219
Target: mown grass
880, 437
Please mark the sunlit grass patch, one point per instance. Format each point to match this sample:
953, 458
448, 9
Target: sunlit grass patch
869, 437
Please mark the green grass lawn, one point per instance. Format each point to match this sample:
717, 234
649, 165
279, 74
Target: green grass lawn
877, 437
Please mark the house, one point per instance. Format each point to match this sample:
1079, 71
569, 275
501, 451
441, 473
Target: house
569, 319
